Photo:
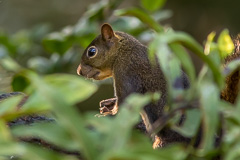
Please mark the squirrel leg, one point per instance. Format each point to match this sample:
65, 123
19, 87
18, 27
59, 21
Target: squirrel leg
149, 116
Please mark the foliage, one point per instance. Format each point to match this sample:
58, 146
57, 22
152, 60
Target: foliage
113, 137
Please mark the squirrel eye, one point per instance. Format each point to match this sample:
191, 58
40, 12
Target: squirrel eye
92, 52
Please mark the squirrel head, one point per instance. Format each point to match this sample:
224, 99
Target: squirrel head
98, 58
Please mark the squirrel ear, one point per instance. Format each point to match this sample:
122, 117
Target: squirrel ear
107, 32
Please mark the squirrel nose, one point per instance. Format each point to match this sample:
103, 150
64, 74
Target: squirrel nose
79, 72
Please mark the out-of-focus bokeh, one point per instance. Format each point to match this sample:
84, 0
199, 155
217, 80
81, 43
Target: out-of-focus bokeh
25, 24
197, 17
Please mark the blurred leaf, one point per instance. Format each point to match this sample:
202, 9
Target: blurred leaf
185, 59
9, 64
5, 41
9, 105
211, 49
231, 67
188, 42
29, 152
39, 31
5, 135
36, 103
121, 126
129, 116
11, 149
143, 153
67, 116
19, 82
225, 44
39, 153
96, 10
233, 154
210, 45
191, 124
23, 42
47, 132
162, 15
170, 66
210, 114
40, 64
59, 42
141, 15
85, 40
3, 51
232, 115
73, 88
152, 5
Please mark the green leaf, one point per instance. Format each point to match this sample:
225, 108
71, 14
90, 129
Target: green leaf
191, 124
210, 45
40, 153
73, 88
58, 42
20, 82
170, 66
67, 115
6, 42
36, 103
141, 15
23, 42
9, 64
210, 114
225, 44
233, 153
152, 5
11, 149
191, 44
28, 152
9, 107
40, 64
186, 61
231, 67
47, 132
144, 153
122, 125
5, 135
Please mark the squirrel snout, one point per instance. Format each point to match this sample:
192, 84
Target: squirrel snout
79, 71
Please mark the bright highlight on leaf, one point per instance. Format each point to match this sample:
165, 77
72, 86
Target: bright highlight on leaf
225, 44
210, 45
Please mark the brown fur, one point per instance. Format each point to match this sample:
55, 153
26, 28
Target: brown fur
126, 60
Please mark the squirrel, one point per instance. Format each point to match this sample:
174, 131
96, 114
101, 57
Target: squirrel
120, 56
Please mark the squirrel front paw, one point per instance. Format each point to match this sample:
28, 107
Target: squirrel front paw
108, 103
108, 107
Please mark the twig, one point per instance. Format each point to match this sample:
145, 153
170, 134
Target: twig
162, 121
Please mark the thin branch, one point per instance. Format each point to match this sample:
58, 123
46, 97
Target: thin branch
162, 121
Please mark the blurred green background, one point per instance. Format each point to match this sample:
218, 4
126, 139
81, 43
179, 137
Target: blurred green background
31, 30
